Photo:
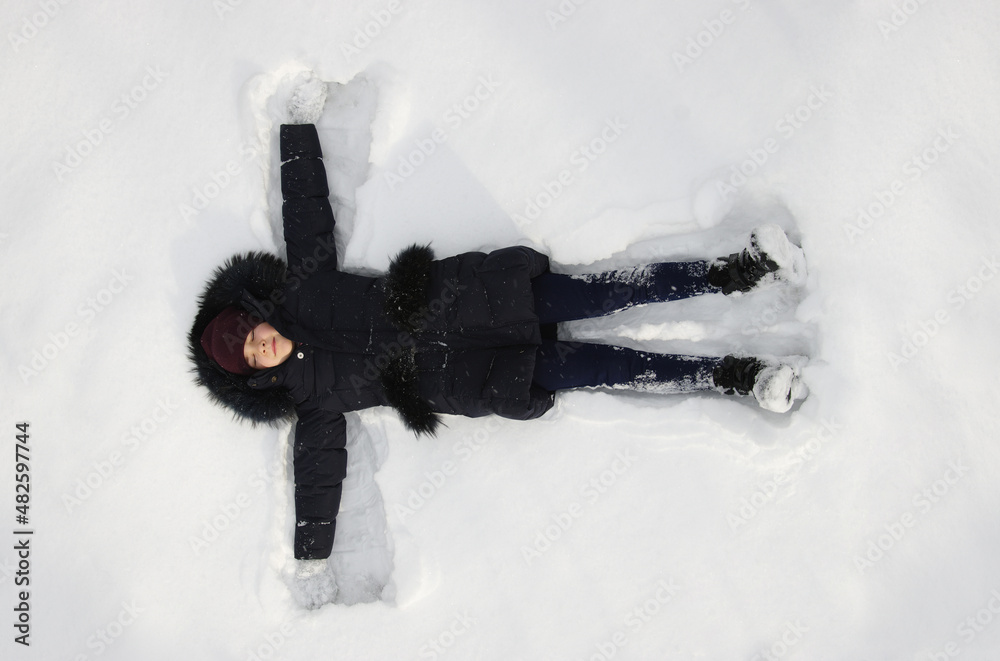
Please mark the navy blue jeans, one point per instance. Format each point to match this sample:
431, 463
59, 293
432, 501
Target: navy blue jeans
564, 364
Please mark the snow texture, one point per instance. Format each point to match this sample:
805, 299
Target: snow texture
307, 101
140, 151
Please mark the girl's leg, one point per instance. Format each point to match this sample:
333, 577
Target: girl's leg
562, 365
560, 297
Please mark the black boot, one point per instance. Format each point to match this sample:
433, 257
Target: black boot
736, 375
768, 251
775, 385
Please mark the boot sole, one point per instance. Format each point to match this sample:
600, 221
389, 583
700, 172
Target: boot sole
777, 387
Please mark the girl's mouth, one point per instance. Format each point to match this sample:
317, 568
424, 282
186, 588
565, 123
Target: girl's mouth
274, 346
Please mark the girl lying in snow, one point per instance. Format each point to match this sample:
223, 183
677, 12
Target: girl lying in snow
474, 334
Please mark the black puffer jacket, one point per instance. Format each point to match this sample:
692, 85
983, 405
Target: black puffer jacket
456, 335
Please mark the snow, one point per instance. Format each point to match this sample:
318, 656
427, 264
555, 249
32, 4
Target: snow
139, 153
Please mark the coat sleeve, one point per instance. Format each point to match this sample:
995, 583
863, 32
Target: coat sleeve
306, 211
320, 460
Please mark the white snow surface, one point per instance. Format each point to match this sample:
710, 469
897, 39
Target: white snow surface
139, 152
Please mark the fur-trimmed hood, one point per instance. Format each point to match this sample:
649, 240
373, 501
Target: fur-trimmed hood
260, 273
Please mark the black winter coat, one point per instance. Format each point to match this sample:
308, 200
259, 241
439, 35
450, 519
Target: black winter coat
456, 336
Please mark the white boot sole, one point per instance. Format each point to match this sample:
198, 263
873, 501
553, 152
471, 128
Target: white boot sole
777, 387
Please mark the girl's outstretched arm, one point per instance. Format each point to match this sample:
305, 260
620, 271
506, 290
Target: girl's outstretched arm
320, 460
306, 211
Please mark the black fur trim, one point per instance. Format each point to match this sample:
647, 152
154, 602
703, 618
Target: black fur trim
406, 285
399, 379
260, 273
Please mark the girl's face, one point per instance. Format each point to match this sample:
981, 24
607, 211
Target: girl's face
265, 347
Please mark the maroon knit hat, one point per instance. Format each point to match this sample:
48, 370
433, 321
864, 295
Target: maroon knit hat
224, 338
